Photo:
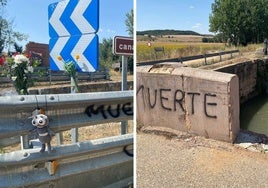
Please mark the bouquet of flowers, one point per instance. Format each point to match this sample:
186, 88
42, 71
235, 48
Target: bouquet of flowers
20, 72
70, 68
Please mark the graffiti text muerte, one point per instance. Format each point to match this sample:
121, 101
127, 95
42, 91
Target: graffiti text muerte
178, 98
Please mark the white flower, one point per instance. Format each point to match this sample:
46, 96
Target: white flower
14, 66
30, 69
20, 58
13, 78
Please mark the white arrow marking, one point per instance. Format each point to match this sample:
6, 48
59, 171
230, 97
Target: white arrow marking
55, 52
78, 18
79, 49
55, 19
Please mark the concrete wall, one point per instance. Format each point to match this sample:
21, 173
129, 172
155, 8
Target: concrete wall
187, 99
252, 76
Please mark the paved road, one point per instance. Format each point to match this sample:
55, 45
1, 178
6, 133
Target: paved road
180, 160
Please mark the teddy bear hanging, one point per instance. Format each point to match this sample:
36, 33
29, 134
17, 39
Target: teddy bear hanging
40, 121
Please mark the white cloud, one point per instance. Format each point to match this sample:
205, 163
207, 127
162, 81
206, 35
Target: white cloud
191, 7
197, 25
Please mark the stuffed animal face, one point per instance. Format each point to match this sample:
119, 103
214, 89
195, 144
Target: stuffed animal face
40, 121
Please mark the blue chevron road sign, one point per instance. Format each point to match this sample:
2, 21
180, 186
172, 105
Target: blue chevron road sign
73, 25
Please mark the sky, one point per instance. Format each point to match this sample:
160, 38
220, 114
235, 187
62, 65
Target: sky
173, 14
31, 18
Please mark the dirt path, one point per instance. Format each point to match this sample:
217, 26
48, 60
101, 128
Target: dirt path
181, 160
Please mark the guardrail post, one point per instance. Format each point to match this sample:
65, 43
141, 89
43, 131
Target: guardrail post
181, 60
24, 141
91, 76
59, 138
74, 135
107, 75
205, 56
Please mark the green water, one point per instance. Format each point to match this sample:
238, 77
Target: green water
254, 115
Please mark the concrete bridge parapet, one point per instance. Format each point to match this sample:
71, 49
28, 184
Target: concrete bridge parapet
198, 101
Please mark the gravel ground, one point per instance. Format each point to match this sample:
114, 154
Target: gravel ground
178, 159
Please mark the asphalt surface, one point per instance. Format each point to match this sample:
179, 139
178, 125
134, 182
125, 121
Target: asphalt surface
182, 160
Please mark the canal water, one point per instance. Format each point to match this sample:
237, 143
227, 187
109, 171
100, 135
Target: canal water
254, 115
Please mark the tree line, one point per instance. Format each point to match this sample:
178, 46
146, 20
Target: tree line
159, 32
239, 22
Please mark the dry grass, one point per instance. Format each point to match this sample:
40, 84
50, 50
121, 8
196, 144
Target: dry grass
175, 50
181, 38
176, 46
85, 134
97, 132
117, 76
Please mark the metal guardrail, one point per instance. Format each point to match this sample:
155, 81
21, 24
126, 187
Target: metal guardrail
189, 58
65, 111
44, 74
97, 163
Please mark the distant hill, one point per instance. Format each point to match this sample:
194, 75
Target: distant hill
167, 32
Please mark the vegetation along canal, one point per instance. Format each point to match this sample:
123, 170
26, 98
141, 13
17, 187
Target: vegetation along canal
254, 115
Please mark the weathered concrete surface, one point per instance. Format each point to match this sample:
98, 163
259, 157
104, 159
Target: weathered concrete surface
187, 99
252, 74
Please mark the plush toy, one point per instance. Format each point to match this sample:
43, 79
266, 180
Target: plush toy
40, 121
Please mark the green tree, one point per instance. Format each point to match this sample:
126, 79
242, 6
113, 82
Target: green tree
240, 21
3, 33
130, 27
129, 22
106, 56
18, 48
106, 53
8, 37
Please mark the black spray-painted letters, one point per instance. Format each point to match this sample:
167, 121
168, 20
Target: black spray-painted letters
177, 101
109, 110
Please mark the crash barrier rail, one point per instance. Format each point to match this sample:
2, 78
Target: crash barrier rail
97, 163
44, 74
190, 58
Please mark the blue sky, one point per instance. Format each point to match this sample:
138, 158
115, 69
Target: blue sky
173, 14
31, 17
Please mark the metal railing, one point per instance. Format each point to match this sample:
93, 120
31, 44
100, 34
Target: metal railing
189, 58
96, 163
44, 74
